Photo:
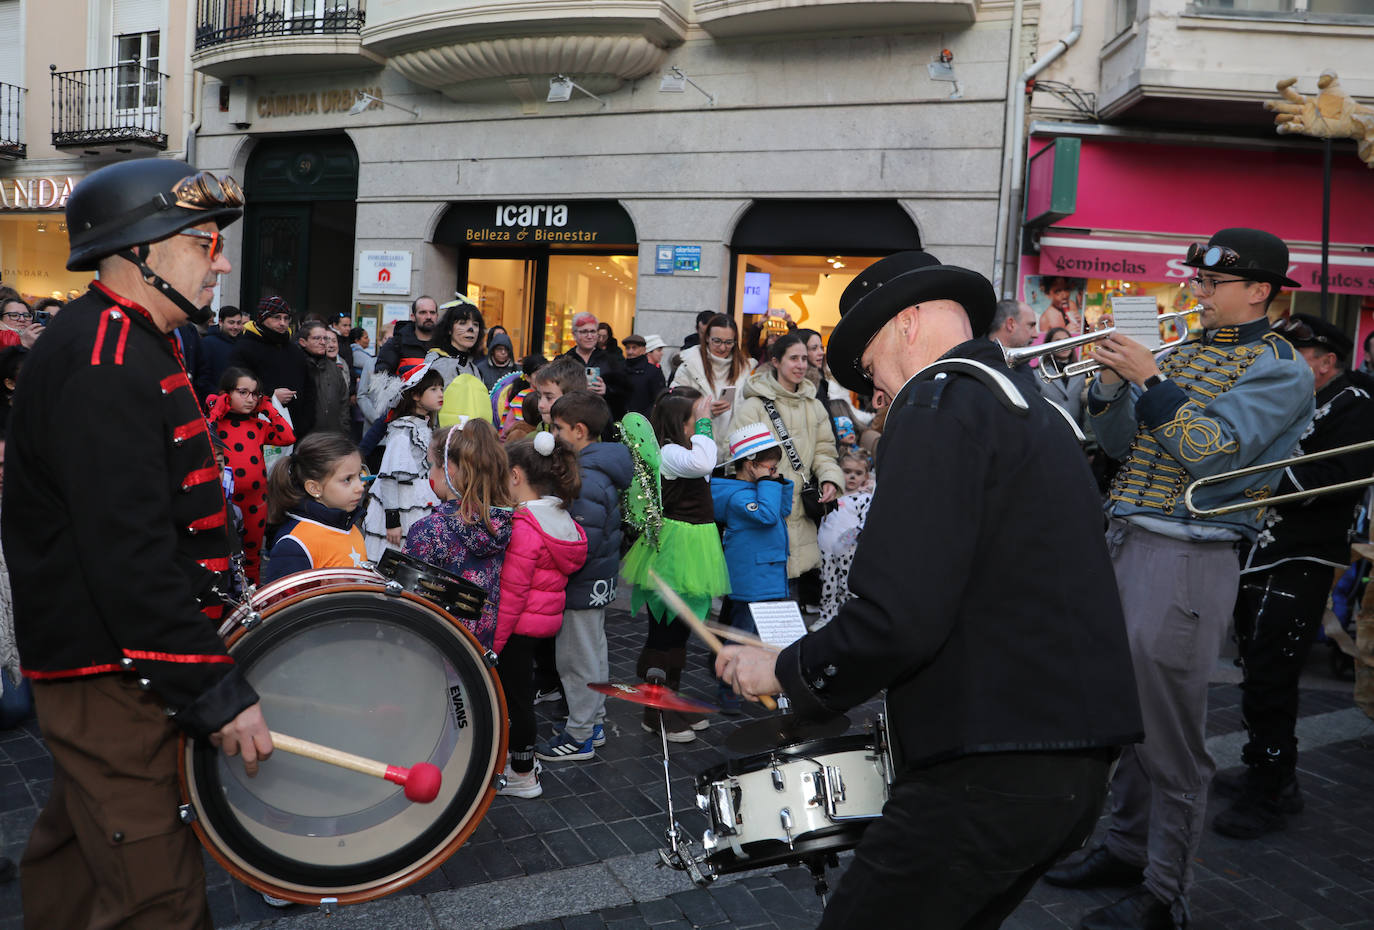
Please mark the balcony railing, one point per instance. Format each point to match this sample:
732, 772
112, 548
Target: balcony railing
220, 21
116, 106
12, 122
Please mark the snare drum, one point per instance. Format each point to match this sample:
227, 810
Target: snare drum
342, 658
792, 802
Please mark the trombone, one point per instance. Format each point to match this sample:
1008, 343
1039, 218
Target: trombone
1050, 369
1280, 498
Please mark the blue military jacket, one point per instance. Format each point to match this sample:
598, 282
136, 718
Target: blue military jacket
1237, 396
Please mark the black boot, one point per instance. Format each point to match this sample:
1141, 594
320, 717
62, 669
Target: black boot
1140, 910
1098, 869
1231, 784
677, 661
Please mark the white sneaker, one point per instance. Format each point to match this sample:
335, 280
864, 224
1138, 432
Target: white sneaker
521, 786
674, 736
276, 902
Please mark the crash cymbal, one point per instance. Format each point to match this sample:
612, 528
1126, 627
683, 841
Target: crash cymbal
660, 697
782, 730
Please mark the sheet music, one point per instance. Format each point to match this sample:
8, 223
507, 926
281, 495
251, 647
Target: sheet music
1138, 318
779, 622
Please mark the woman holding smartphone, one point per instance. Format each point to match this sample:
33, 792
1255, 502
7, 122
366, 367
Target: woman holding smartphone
717, 367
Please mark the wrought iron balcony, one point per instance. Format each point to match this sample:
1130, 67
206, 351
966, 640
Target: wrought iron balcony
12, 122
258, 37
100, 109
220, 21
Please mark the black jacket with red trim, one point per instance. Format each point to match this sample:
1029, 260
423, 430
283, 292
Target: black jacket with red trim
114, 520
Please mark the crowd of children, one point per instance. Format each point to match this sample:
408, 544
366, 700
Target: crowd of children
545, 507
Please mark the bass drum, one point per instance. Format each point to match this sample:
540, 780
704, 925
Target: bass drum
341, 658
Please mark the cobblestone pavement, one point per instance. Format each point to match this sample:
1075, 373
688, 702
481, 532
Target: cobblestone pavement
583, 856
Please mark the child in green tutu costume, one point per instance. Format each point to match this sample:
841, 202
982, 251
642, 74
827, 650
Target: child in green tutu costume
679, 539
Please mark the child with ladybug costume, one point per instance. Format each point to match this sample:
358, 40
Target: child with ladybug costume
246, 421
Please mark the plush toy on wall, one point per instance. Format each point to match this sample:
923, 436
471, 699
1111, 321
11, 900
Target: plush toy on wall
1331, 114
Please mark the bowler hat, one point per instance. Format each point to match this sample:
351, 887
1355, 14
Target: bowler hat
1246, 253
884, 289
1310, 332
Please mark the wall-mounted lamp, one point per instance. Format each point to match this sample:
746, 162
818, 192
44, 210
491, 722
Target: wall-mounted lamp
366, 100
675, 82
942, 69
561, 87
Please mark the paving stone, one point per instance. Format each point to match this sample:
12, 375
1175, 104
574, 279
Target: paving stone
739, 905
660, 911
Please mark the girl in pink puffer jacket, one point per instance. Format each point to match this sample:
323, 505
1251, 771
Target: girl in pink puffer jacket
546, 546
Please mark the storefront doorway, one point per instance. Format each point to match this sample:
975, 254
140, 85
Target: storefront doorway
531, 267
796, 257
299, 222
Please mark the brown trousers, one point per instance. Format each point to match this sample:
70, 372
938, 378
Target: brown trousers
108, 850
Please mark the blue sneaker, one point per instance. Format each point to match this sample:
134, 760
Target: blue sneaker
563, 748
598, 733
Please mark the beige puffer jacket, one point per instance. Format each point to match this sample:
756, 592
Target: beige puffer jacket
809, 425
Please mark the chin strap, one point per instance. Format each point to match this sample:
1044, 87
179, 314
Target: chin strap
197, 315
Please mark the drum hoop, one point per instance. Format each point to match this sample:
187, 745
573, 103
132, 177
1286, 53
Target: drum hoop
788, 753
240, 870
328, 578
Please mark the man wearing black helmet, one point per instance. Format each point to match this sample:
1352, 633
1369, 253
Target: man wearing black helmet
117, 572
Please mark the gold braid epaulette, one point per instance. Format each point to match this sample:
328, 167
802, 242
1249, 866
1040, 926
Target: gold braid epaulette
1151, 476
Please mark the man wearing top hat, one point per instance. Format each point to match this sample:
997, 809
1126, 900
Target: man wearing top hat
1239, 395
1007, 672
1285, 580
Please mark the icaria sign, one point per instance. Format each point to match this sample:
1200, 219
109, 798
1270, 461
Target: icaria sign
384, 273
37, 193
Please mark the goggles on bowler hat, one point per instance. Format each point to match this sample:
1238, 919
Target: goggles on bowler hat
1214, 256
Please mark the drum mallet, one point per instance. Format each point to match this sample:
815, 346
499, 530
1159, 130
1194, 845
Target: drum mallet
694, 623
421, 781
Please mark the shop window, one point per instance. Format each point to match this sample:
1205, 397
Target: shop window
601, 284
33, 257
805, 289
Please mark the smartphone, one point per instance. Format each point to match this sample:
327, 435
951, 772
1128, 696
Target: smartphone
42, 317
728, 395
593, 373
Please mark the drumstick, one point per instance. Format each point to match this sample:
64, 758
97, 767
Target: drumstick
685, 614
421, 781
728, 632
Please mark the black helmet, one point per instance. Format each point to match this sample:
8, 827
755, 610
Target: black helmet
144, 200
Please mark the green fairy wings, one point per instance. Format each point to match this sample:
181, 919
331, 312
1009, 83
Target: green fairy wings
643, 499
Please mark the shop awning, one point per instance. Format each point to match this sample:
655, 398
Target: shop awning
1129, 259
1140, 203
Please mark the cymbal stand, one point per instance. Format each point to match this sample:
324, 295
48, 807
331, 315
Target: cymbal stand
678, 855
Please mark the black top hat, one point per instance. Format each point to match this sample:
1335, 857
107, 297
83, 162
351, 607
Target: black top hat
886, 288
1311, 332
1245, 253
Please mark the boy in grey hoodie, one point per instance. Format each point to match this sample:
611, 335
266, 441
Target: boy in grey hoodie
579, 419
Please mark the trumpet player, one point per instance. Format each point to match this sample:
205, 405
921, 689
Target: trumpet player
1285, 581
1239, 395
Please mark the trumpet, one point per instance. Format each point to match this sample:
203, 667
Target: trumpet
1051, 370
1279, 498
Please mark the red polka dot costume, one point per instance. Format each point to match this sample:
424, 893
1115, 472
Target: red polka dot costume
244, 437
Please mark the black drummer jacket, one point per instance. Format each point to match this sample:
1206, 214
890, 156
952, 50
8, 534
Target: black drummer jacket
984, 598
114, 521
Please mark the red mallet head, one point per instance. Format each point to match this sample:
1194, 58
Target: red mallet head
421, 781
